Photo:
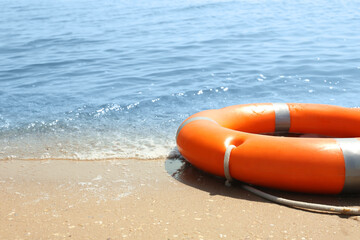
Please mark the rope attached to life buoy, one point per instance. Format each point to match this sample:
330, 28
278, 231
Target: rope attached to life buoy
284, 201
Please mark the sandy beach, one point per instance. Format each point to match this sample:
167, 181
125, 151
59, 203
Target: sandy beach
159, 199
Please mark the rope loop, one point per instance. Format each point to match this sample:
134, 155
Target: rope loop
283, 201
226, 165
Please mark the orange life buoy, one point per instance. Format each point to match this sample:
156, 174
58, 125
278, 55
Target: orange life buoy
235, 135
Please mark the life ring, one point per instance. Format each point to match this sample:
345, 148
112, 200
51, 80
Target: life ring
234, 136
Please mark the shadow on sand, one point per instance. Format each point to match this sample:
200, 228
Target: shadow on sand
184, 172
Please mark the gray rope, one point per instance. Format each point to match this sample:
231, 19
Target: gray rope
303, 205
284, 201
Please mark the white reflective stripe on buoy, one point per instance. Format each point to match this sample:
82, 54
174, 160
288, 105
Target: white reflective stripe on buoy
191, 120
227, 162
282, 117
350, 148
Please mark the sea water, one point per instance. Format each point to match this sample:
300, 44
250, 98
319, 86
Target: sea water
113, 79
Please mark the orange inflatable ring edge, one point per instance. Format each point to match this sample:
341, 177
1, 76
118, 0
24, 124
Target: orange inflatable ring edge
314, 165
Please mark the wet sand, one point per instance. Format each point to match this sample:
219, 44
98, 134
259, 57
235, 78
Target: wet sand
162, 199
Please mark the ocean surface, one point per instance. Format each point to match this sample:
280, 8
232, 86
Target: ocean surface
113, 79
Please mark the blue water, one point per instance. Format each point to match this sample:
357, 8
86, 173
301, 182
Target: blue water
114, 79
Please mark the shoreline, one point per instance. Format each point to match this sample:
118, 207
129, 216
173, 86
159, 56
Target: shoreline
157, 199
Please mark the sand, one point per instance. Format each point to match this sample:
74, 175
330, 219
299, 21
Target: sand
154, 199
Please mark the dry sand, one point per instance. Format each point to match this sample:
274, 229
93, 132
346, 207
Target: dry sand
162, 199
